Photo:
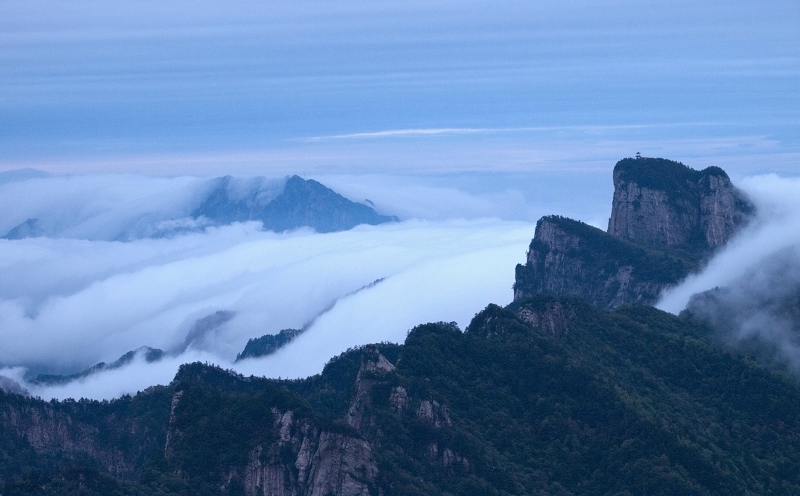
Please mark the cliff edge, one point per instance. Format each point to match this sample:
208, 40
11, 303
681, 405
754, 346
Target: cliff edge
666, 220
664, 203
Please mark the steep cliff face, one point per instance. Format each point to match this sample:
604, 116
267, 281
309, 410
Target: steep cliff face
117, 436
260, 439
54, 433
663, 203
570, 257
304, 461
666, 219
373, 370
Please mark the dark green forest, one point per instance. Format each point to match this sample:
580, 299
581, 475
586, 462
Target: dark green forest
631, 401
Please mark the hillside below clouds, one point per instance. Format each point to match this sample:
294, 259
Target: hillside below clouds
280, 204
570, 389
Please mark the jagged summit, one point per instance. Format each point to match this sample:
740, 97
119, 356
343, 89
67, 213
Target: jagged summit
666, 220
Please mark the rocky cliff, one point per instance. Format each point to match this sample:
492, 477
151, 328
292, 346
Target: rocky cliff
665, 203
666, 220
272, 445
568, 257
118, 436
305, 461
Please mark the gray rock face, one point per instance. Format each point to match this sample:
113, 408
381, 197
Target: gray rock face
305, 461
373, 367
567, 257
48, 431
666, 219
664, 203
553, 319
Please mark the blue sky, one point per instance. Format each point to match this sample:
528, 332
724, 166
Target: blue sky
413, 87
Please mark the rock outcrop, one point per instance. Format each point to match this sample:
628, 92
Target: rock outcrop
666, 220
374, 367
304, 461
664, 203
568, 257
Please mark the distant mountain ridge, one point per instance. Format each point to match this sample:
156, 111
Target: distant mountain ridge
299, 203
279, 204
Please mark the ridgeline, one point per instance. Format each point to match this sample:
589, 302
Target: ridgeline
571, 389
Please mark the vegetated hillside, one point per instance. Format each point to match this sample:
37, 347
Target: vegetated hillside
547, 396
267, 344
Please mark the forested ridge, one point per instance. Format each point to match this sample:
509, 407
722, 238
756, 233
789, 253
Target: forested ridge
604, 402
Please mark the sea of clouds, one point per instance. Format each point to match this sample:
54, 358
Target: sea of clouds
92, 291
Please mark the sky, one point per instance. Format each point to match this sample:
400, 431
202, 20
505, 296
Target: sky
468, 120
511, 88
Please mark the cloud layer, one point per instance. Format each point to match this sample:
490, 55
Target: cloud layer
751, 290
776, 228
66, 304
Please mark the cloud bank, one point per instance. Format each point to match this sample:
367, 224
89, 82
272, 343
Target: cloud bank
775, 228
751, 290
66, 303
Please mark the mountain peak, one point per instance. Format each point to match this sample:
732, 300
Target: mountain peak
666, 219
285, 205
664, 203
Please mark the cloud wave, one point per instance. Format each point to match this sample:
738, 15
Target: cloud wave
67, 304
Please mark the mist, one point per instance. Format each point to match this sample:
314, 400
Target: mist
84, 296
750, 291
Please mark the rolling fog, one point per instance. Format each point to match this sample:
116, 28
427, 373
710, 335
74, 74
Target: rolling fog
83, 296
758, 275
94, 289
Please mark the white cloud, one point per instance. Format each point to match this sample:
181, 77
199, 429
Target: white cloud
66, 304
776, 227
432, 270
